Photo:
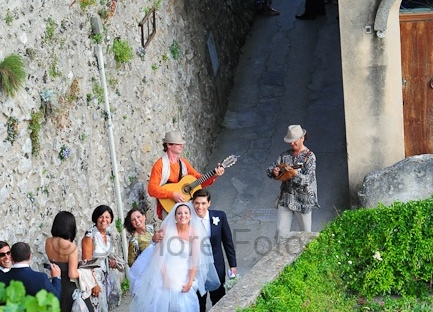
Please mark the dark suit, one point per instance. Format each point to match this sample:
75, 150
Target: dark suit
33, 281
221, 236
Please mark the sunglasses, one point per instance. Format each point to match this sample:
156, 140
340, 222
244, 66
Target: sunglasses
4, 254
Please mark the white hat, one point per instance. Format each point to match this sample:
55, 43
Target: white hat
173, 137
294, 133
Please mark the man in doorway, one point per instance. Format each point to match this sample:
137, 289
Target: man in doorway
170, 168
216, 224
312, 9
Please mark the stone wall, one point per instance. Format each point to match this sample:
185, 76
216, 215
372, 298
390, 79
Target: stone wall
373, 103
147, 96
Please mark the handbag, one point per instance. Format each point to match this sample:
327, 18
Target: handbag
78, 305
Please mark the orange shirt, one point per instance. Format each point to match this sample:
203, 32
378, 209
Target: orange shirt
155, 190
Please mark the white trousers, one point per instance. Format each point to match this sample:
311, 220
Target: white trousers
284, 221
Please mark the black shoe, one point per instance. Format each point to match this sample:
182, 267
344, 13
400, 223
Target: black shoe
270, 11
305, 17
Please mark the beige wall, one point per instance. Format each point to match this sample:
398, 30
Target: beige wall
372, 90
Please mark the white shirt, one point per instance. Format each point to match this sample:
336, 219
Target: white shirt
206, 223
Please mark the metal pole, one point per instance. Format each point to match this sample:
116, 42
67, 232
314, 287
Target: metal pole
98, 51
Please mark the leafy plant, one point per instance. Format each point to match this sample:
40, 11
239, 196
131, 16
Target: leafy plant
119, 226
125, 285
97, 38
12, 74
64, 152
9, 18
14, 298
157, 4
49, 29
155, 66
123, 52
86, 3
12, 129
98, 90
369, 259
52, 68
175, 50
103, 13
35, 127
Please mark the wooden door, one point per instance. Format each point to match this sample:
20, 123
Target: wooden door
416, 33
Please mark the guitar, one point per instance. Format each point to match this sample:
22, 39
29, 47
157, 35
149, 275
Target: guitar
189, 184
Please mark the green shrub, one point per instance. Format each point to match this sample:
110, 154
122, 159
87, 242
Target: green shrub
35, 127
123, 52
175, 50
14, 298
49, 29
9, 18
366, 260
86, 3
12, 74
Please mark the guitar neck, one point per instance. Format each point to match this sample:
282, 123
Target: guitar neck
204, 177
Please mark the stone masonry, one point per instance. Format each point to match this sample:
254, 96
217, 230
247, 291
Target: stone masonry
170, 87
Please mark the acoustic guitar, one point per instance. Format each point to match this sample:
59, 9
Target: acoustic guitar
189, 184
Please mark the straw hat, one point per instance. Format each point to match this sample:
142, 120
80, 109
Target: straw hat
173, 137
294, 133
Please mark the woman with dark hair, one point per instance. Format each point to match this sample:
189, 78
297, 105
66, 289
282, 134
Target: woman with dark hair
98, 244
141, 233
61, 250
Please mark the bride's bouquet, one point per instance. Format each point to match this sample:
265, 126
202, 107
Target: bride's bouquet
232, 280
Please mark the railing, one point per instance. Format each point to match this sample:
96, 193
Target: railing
150, 21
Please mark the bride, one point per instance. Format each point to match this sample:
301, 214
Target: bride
166, 276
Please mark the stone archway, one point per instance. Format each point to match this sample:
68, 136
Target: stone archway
381, 19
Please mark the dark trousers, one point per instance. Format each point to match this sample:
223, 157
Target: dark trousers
314, 7
215, 296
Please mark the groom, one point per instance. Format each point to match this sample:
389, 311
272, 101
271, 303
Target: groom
218, 229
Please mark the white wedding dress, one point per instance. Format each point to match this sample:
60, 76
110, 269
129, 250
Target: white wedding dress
157, 276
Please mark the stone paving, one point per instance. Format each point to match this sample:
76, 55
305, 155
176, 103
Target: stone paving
289, 73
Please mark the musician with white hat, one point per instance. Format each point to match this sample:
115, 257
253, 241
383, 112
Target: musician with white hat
295, 168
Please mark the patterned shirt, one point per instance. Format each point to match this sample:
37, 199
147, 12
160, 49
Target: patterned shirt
299, 193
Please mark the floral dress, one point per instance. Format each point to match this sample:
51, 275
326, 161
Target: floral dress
101, 251
137, 243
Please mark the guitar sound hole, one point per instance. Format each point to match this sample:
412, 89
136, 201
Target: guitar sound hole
187, 189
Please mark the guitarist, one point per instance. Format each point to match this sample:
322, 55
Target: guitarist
170, 168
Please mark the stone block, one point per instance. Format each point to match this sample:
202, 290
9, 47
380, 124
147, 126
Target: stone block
409, 179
